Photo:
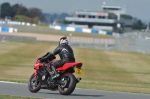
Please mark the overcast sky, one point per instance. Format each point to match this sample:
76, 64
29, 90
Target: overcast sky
136, 8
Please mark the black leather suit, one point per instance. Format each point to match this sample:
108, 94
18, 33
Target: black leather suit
65, 52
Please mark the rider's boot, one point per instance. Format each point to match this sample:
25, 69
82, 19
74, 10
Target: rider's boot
56, 75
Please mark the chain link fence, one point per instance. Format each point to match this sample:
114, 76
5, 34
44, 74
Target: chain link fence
94, 43
133, 42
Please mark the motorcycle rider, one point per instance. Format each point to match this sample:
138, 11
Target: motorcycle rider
66, 55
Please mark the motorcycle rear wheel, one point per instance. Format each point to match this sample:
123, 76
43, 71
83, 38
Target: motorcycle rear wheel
70, 84
34, 84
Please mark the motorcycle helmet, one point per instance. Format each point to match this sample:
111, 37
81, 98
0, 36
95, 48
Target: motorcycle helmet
63, 40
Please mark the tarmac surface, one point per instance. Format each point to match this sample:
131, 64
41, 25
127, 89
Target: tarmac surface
19, 89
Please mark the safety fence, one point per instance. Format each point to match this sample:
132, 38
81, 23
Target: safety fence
132, 42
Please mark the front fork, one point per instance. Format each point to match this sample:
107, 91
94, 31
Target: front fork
41, 75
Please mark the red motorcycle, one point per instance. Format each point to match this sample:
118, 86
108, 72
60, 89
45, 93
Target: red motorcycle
66, 83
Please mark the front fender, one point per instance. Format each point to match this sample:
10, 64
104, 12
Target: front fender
37, 65
35, 73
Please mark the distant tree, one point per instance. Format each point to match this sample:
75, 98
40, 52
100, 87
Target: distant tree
43, 19
112, 16
54, 17
125, 16
62, 17
47, 17
22, 10
15, 8
33, 12
36, 13
6, 10
138, 25
59, 18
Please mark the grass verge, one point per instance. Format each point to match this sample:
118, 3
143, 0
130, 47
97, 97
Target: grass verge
102, 69
15, 97
47, 30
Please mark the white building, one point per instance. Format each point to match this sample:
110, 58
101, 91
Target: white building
108, 19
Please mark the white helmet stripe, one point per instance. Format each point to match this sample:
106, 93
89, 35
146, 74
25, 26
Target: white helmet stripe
63, 41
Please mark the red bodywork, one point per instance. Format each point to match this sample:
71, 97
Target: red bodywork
37, 66
63, 68
68, 65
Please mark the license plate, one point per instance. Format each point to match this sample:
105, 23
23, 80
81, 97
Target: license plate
78, 71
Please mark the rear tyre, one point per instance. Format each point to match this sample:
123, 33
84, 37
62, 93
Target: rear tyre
34, 84
69, 84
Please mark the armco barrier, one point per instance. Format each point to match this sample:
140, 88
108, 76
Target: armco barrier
77, 29
17, 23
7, 29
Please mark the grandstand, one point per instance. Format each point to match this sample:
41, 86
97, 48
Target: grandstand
109, 19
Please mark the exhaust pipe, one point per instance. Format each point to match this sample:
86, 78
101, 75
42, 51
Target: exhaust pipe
78, 79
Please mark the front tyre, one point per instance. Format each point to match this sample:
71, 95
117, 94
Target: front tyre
69, 84
34, 84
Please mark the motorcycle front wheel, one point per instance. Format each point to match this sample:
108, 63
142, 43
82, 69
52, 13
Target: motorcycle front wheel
34, 84
69, 84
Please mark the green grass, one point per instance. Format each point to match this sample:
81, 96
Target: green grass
102, 69
15, 97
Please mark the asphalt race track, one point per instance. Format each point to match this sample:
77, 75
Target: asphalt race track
18, 89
